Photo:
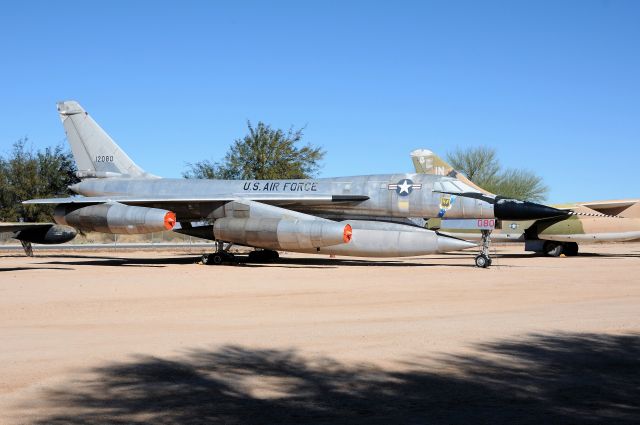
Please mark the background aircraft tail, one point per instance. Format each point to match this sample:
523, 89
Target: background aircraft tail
627, 208
427, 162
96, 154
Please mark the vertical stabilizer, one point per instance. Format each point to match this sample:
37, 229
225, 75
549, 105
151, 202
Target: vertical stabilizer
633, 211
427, 162
96, 154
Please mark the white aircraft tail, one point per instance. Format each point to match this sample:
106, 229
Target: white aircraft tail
96, 154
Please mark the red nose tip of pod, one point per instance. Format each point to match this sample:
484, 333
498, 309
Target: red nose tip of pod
348, 233
169, 220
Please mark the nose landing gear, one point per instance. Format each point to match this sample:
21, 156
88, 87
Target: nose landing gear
485, 225
483, 260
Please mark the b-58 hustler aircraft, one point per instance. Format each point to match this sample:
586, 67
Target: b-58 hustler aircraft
355, 216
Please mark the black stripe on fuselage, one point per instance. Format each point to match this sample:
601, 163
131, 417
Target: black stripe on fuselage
349, 198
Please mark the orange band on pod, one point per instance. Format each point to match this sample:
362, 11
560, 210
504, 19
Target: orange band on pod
348, 233
169, 220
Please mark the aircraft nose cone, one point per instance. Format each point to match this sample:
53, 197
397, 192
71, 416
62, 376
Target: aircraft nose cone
448, 243
513, 209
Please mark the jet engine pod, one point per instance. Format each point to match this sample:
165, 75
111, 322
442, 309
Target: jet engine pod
114, 217
52, 234
281, 233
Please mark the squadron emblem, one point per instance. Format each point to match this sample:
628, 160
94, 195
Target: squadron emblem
446, 202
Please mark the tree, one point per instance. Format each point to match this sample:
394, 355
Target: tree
482, 167
521, 184
25, 174
264, 153
205, 169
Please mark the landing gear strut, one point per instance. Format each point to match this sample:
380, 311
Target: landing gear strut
28, 249
221, 255
483, 259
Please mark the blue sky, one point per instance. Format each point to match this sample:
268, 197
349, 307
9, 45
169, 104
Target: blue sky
553, 86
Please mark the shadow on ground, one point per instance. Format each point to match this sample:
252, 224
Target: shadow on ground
243, 260
566, 378
116, 261
581, 255
324, 262
288, 262
19, 269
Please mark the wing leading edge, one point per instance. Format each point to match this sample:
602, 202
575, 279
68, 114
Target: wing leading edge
16, 227
130, 200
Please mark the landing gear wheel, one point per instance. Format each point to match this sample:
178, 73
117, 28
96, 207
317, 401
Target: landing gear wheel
482, 261
553, 249
218, 258
256, 256
570, 249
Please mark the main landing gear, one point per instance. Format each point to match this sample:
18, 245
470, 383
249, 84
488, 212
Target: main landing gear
221, 256
483, 259
263, 256
28, 249
556, 249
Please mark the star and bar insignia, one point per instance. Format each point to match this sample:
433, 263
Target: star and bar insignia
404, 187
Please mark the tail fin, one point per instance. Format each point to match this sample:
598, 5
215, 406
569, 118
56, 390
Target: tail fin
427, 162
633, 211
96, 154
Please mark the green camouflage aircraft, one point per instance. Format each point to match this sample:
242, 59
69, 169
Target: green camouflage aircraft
596, 221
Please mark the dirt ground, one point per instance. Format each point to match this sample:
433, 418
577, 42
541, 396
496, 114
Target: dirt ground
142, 337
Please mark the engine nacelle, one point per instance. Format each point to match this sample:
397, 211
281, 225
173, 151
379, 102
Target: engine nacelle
381, 239
115, 218
49, 235
281, 233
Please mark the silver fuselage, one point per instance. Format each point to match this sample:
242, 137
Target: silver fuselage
384, 198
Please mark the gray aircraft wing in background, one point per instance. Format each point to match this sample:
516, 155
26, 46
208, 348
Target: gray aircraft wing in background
43, 233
